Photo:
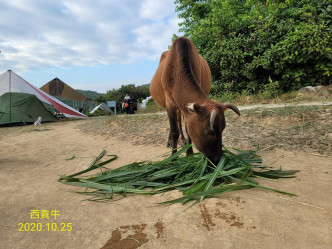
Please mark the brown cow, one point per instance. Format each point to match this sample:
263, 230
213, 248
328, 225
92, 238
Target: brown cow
181, 84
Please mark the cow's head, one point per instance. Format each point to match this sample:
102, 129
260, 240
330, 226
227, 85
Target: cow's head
205, 125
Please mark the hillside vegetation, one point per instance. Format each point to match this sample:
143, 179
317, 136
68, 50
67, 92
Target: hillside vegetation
255, 45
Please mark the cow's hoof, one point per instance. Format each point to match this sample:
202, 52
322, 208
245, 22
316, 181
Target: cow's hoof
183, 142
189, 151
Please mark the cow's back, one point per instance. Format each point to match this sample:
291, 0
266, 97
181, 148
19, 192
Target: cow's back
156, 89
205, 78
170, 72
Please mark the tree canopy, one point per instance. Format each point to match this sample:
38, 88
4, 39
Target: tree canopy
253, 44
136, 93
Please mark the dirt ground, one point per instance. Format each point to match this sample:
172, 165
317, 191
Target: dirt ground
31, 159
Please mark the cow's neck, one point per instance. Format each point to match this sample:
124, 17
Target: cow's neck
187, 93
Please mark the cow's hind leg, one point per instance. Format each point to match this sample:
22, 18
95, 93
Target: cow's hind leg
174, 131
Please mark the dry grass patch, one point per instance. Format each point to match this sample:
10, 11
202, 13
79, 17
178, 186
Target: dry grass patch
303, 128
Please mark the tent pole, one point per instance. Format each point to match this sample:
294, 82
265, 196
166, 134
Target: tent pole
10, 97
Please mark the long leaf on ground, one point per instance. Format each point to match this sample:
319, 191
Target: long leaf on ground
195, 176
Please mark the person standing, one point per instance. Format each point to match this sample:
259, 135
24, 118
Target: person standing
126, 104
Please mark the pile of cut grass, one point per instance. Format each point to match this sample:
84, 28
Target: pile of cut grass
193, 175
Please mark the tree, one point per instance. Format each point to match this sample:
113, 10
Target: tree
136, 94
100, 98
250, 44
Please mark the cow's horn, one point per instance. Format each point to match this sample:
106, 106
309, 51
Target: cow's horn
233, 107
212, 118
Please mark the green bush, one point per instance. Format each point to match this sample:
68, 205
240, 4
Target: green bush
136, 93
247, 43
152, 107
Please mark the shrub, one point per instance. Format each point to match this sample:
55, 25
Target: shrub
248, 42
152, 107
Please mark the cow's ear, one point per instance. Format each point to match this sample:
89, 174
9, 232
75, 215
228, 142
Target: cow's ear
193, 107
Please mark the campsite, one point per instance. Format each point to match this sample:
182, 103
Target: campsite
169, 124
22, 102
33, 158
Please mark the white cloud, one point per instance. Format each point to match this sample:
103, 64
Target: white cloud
155, 37
156, 10
39, 34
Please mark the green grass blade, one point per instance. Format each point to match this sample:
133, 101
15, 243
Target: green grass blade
194, 175
100, 156
217, 171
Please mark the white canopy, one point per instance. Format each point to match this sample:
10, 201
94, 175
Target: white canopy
102, 106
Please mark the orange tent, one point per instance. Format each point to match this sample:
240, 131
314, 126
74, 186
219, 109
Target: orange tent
57, 87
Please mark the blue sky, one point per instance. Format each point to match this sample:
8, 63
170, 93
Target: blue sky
89, 44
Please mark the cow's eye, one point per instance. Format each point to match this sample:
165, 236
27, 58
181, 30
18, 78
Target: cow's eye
210, 132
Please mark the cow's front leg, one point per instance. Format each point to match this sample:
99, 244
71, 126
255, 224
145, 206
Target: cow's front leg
189, 150
174, 131
169, 142
182, 140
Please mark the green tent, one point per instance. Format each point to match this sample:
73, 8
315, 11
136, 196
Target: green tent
22, 108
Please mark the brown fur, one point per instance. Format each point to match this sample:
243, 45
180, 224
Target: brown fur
181, 84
